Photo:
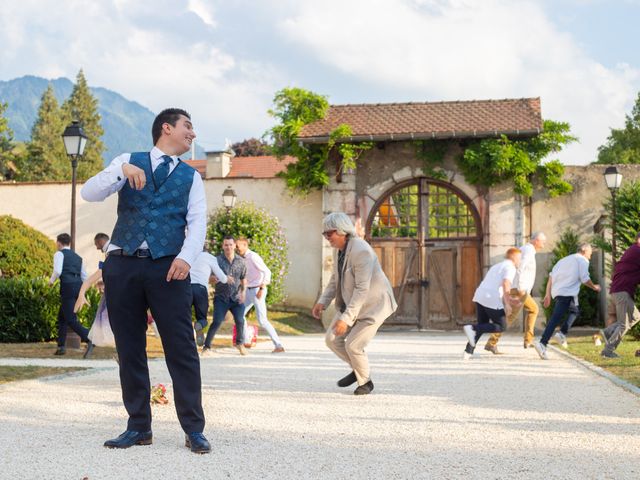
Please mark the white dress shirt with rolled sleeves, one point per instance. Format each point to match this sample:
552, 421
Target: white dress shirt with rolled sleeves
526, 274
257, 271
568, 275
204, 266
111, 180
490, 291
58, 263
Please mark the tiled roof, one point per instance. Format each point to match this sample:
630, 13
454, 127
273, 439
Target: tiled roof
258, 167
253, 167
401, 121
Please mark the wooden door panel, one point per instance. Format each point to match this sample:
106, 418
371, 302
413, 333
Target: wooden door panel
441, 274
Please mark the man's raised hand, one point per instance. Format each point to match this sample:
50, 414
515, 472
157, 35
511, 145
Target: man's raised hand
137, 178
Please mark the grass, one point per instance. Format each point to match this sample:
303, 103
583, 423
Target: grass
625, 367
285, 323
12, 374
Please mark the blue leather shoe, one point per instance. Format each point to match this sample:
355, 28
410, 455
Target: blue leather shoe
130, 438
197, 443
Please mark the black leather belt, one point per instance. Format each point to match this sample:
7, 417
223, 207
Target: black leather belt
140, 253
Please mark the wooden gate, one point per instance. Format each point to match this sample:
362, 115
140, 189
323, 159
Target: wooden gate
427, 236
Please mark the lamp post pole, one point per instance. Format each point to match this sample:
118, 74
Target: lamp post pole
613, 179
74, 143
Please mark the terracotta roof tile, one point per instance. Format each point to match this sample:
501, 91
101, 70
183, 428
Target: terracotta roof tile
398, 121
258, 167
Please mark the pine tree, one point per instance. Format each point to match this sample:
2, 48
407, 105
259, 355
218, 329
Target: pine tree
83, 107
7, 161
47, 158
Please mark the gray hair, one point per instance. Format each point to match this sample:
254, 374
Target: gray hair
340, 222
536, 235
584, 247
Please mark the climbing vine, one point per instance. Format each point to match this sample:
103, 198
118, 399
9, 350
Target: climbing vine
485, 162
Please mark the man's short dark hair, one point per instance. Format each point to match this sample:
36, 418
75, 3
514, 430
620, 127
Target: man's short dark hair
64, 239
229, 237
168, 115
101, 236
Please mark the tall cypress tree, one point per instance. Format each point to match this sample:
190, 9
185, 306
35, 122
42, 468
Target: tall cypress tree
83, 107
47, 158
7, 164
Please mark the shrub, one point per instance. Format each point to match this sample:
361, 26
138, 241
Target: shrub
587, 298
266, 236
87, 315
24, 251
28, 310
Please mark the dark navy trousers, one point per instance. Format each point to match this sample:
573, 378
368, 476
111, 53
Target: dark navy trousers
132, 285
200, 303
66, 318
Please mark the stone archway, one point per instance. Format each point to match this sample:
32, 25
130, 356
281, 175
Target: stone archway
428, 237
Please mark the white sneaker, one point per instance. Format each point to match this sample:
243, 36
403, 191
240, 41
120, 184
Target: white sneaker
471, 334
542, 350
466, 356
561, 339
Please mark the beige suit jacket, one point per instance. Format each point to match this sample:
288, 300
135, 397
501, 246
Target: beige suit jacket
365, 290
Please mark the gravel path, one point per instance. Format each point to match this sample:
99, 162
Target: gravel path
432, 415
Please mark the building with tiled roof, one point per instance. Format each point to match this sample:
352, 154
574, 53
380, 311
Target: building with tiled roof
437, 120
225, 165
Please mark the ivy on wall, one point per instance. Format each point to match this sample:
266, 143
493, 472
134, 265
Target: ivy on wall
485, 162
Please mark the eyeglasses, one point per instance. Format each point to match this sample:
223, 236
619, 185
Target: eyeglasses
328, 234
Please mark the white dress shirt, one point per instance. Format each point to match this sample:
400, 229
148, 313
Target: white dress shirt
58, 263
111, 180
257, 271
203, 267
490, 292
526, 274
568, 275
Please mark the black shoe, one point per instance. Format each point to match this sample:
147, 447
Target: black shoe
89, 350
199, 334
60, 351
130, 438
197, 442
348, 380
365, 389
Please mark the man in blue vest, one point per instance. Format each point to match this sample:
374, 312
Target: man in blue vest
159, 232
67, 266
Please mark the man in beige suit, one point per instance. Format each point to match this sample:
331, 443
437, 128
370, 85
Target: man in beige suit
363, 295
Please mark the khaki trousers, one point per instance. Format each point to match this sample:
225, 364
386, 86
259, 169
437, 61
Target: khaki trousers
531, 307
627, 315
350, 347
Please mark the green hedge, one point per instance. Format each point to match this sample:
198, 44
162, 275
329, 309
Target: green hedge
24, 251
28, 310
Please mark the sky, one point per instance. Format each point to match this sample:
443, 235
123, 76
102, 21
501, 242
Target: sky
223, 61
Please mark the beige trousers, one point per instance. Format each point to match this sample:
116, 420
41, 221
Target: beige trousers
531, 307
350, 347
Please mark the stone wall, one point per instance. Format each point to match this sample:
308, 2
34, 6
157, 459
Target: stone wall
47, 206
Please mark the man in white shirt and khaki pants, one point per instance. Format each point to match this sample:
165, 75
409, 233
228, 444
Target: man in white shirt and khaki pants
523, 284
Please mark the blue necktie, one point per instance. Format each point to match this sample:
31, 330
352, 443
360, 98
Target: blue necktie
162, 171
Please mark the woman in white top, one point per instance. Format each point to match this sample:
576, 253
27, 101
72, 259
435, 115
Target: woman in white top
492, 299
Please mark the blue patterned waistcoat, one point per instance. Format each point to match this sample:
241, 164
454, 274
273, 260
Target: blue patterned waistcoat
157, 213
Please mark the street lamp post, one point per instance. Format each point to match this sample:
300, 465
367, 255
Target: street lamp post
229, 198
74, 142
613, 179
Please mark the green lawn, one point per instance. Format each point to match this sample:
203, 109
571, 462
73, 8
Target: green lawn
10, 374
626, 367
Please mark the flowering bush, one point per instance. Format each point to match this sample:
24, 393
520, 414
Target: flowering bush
266, 237
158, 392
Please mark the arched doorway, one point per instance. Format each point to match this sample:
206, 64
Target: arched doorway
427, 235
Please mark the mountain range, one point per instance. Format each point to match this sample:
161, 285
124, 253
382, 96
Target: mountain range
126, 123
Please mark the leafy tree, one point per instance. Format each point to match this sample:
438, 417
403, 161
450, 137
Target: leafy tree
8, 167
587, 299
266, 238
251, 147
492, 161
83, 107
46, 158
294, 108
623, 145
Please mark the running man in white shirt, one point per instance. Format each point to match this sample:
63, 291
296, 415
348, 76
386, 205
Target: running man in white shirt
565, 280
204, 266
493, 301
523, 284
258, 277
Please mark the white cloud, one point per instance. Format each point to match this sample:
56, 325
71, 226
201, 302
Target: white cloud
203, 10
464, 49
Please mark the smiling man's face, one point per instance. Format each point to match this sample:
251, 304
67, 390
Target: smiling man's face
181, 136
